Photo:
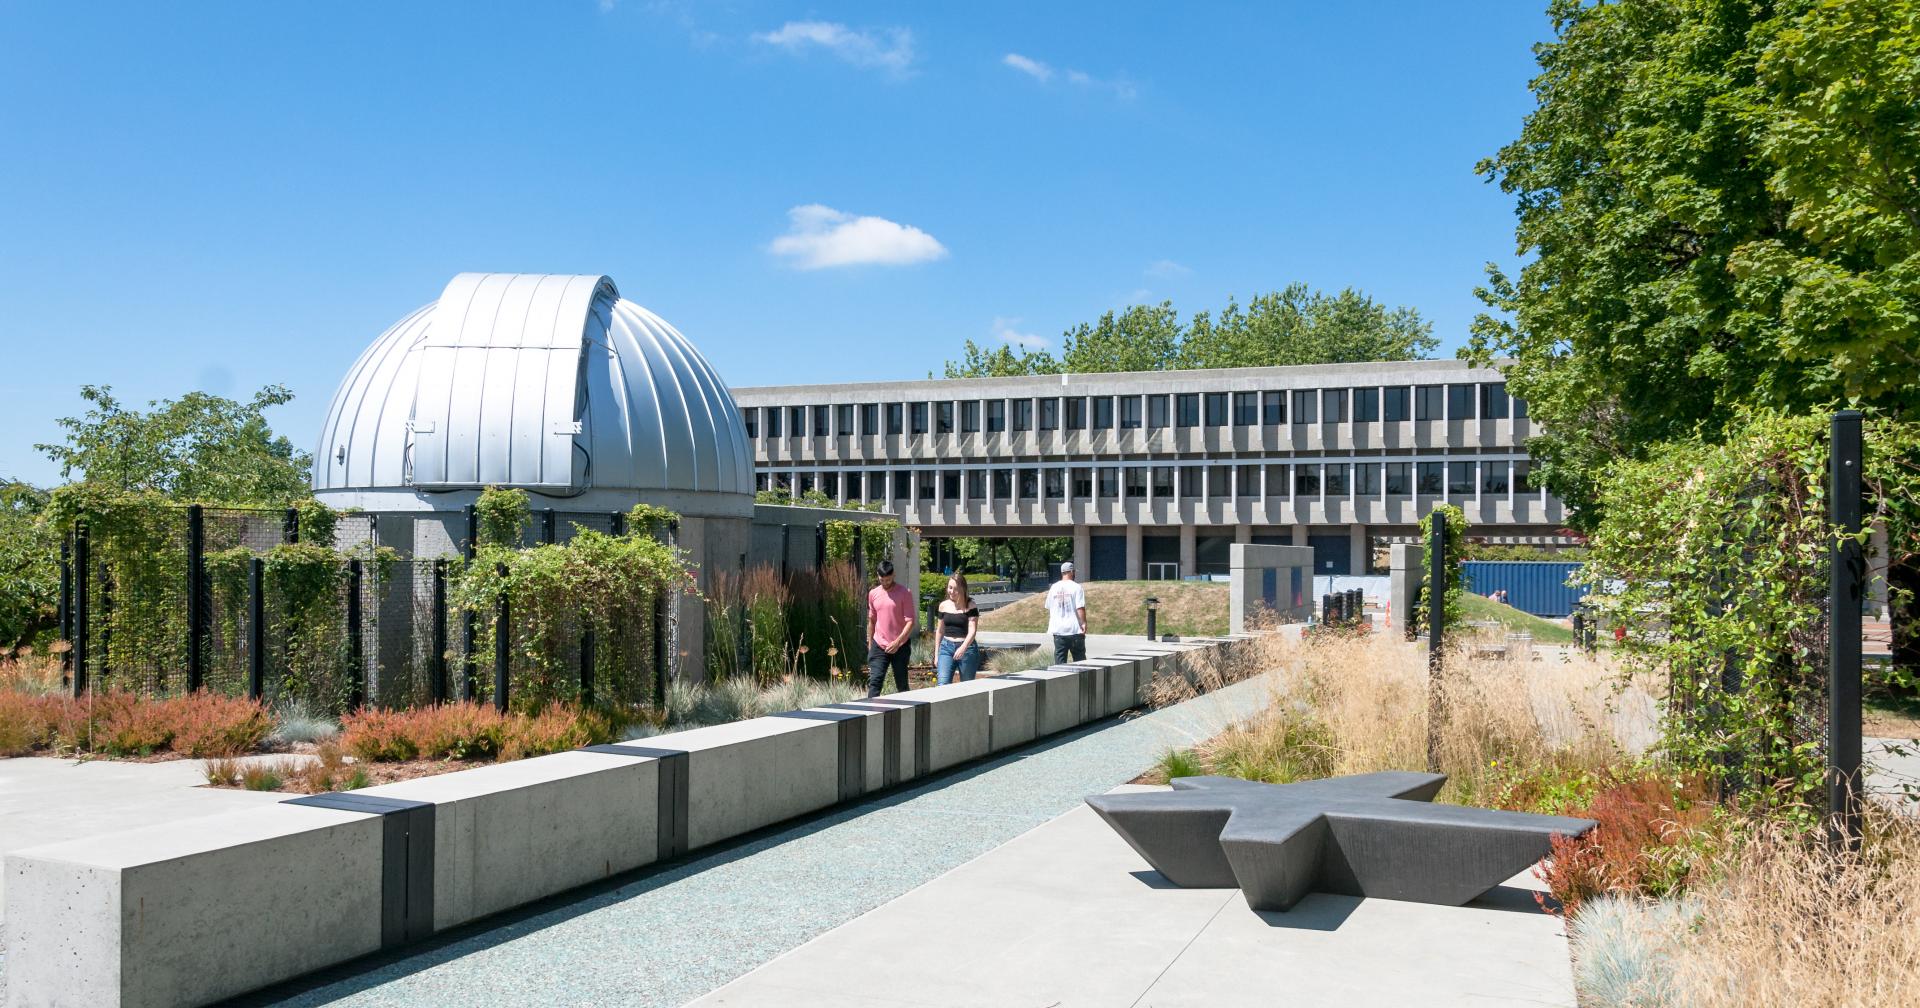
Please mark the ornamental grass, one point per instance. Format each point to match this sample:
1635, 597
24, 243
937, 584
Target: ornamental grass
471, 731
128, 724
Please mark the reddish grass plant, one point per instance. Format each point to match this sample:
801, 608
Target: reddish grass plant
469, 731
1651, 836
127, 724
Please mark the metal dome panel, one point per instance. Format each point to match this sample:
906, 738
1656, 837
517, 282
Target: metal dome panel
547, 382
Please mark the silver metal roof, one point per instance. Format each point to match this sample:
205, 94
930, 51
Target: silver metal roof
551, 383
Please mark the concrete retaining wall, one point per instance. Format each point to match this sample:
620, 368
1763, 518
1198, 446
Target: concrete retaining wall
193, 912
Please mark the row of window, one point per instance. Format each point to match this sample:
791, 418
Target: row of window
1190, 482
1371, 404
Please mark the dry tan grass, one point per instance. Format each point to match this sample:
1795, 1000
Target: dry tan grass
1190, 608
1793, 924
1359, 704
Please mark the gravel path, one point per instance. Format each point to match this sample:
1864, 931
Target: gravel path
675, 933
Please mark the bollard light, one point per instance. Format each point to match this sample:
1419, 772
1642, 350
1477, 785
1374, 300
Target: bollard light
1153, 605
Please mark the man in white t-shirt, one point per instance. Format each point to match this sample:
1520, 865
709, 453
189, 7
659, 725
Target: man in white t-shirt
1067, 617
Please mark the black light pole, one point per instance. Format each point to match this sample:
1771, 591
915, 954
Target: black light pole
256, 629
1436, 630
83, 569
502, 643
1846, 579
197, 622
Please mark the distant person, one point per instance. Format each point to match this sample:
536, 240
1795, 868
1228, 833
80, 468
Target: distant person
1067, 617
959, 625
890, 618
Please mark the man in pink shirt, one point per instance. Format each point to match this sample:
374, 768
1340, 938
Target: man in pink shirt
890, 619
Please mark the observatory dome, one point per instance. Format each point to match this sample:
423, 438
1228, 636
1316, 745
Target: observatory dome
553, 384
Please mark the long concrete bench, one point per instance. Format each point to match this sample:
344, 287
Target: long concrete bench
193, 912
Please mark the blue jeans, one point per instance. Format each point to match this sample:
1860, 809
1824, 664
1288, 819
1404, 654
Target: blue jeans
944, 664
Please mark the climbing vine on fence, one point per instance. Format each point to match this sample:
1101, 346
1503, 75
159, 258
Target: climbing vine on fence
1454, 550
876, 540
1713, 558
594, 581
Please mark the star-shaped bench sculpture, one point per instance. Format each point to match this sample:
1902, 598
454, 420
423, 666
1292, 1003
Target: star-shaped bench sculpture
1376, 834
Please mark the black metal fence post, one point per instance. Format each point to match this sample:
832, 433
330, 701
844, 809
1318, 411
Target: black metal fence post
66, 608
256, 629
469, 620
1846, 579
502, 645
290, 526
1436, 632
660, 652
860, 554
547, 528
820, 546
356, 668
786, 541
617, 522
437, 685
197, 622
83, 566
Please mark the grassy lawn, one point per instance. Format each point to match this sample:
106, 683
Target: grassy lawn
1481, 608
1187, 608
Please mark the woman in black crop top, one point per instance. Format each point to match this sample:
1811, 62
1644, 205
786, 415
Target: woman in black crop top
959, 622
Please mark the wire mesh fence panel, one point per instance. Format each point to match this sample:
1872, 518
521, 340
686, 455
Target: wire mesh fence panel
233, 539
307, 642
136, 584
403, 632
563, 657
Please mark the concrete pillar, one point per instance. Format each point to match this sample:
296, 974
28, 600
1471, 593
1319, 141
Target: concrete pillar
1299, 535
1082, 552
1357, 548
1243, 533
1136, 555
1189, 550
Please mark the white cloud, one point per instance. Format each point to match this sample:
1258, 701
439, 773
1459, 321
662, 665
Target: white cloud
1120, 87
1166, 268
1031, 67
819, 237
888, 49
1004, 331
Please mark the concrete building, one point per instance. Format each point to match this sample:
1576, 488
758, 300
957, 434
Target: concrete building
1157, 474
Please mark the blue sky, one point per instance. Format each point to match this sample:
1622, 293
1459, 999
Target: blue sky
226, 195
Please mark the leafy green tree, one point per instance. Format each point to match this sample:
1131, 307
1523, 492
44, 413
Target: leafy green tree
1000, 362
1295, 325
1137, 338
199, 447
29, 568
1721, 209
1300, 325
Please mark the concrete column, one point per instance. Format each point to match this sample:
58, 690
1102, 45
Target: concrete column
1136, 555
1357, 548
1243, 533
1189, 550
1082, 552
1299, 534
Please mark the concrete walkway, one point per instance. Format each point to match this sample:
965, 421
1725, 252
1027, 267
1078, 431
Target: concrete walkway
1069, 915
673, 934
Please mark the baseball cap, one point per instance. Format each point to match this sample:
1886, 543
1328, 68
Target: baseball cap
1066, 568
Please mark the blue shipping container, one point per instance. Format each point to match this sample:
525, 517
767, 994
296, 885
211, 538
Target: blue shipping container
1533, 586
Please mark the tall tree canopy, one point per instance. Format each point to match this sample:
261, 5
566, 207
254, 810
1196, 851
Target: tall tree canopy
199, 447
1720, 204
1297, 325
